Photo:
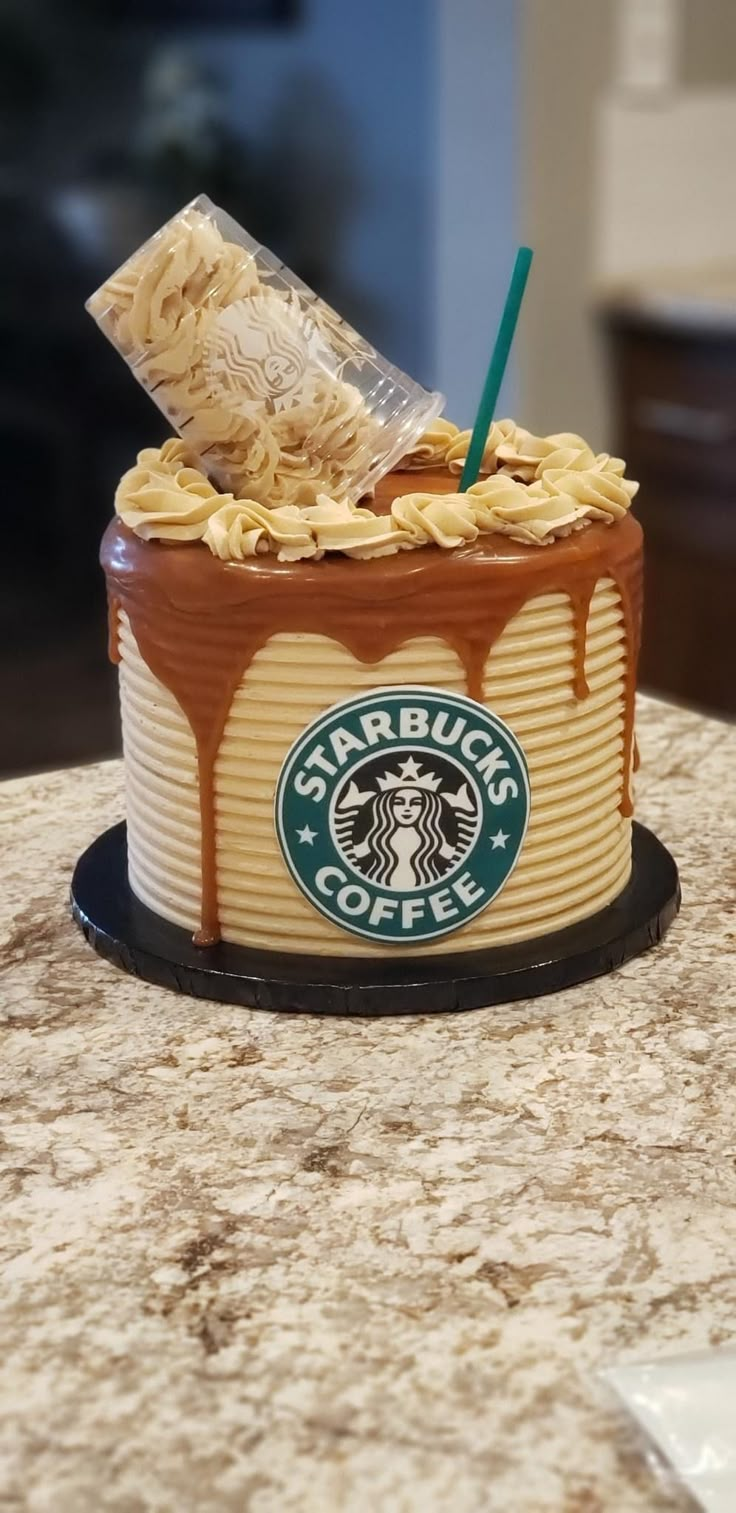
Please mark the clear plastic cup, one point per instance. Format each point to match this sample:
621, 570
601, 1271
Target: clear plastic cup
279, 398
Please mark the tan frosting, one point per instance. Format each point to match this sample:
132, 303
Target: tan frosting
432, 448
166, 497
511, 450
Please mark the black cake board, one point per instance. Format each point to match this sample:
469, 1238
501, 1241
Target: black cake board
125, 932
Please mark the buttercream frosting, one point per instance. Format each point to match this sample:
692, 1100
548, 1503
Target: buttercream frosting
533, 489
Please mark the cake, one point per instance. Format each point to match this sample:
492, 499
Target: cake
403, 726
366, 711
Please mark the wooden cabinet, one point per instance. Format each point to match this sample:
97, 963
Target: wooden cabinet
674, 392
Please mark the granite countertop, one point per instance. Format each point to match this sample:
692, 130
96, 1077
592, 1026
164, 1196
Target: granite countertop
273, 1263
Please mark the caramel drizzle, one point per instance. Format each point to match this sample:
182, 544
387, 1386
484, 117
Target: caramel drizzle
580, 605
630, 594
198, 622
113, 628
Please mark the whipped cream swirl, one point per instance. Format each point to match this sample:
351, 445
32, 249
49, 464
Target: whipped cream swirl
533, 489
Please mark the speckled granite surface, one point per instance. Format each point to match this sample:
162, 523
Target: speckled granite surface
277, 1263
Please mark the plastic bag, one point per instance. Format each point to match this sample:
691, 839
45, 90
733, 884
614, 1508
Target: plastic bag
687, 1407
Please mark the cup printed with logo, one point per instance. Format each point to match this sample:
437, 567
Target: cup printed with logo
280, 399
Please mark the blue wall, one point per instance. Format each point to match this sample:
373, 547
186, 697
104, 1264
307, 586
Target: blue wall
476, 211
408, 108
370, 63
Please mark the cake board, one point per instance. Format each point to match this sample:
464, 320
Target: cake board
124, 931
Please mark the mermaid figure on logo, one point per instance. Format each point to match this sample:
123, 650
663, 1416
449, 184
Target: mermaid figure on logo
416, 832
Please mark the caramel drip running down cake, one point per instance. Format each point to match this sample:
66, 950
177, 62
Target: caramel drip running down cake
399, 726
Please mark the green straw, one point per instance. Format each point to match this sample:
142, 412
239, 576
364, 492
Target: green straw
496, 368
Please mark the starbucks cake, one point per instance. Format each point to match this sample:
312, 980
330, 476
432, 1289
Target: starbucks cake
365, 712
400, 726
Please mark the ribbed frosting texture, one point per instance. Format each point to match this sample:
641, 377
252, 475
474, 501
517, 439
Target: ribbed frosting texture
577, 853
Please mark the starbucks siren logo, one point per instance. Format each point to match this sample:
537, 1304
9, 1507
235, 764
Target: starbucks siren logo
266, 354
401, 813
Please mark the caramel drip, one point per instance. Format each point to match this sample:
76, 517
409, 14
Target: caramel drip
208, 933
113, 628
637, 756
408, 481
580, 604
629, 586
199, 622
